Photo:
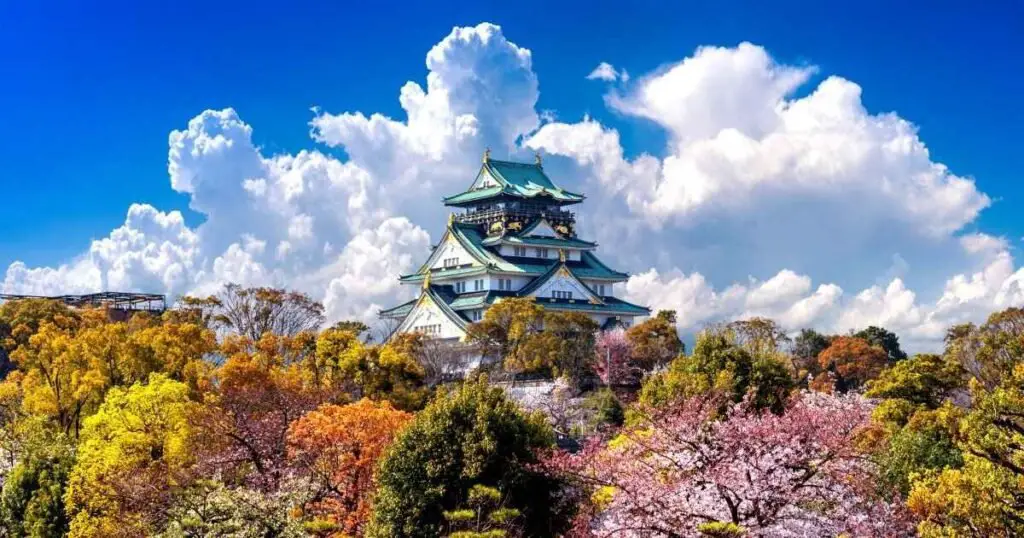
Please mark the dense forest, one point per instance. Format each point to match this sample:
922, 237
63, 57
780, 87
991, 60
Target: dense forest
240, 415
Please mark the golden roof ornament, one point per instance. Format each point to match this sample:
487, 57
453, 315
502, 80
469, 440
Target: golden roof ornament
487, 155
426, 281
561, 255
451, 219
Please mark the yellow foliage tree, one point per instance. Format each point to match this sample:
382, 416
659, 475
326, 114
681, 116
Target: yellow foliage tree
131, 453
68, 372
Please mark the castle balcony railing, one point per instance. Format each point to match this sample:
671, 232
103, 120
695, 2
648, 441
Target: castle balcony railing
490, 215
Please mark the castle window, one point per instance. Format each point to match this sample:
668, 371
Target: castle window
561, 294
432, 330
519, 251
460, 287
451, 262
542, 253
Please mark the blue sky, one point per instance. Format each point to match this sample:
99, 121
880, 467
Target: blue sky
90, 93
803, 177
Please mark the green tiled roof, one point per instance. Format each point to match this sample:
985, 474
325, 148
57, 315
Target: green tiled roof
611, 306
475, 300
469, 237
519, 180
539, 241
459, 271
399, 311
540, 280
472, 196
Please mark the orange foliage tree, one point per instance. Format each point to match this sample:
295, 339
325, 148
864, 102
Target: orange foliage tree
244, 424
852, 362
338, 447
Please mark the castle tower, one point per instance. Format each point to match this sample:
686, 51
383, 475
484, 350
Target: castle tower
511, 236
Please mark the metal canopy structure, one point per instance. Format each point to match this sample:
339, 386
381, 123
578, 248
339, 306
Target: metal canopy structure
145, 302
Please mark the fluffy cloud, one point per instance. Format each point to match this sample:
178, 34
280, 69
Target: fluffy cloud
794, 302
806, 190
339, 230
754, 178
758, 176
606, 72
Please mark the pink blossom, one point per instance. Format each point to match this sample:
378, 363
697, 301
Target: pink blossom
797, 474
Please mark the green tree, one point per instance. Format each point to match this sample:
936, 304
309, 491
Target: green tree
564, 347
887, 340
485, 517
473, 436
32, 502
718, 364
207, 508
806, 347
655, 341
506, 329
574, 333
924, 379
984, 497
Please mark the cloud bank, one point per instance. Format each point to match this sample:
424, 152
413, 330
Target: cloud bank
777, 194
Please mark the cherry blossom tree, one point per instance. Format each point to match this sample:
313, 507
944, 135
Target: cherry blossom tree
612, 357
680, 474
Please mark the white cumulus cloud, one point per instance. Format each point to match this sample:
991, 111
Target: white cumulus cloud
776, 194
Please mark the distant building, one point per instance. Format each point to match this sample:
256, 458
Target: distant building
512, 238
119, 305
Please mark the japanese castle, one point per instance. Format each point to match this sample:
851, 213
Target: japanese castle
510, 236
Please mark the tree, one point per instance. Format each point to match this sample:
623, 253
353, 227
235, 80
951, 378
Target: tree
32, 502
439, 358
613, 358
921, 447
806, 348
979, 499
242, 428
655, 341
888, 341
338, 447
132, 452
507, 326
924, 379
208, 508
485, 516
473, 436
682, 473
54, 383
718, 365
761, 337
67, 372
853, 361
353, 326
573, 334
984, 496
383, 372
253, 312
20, 319
606, 410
